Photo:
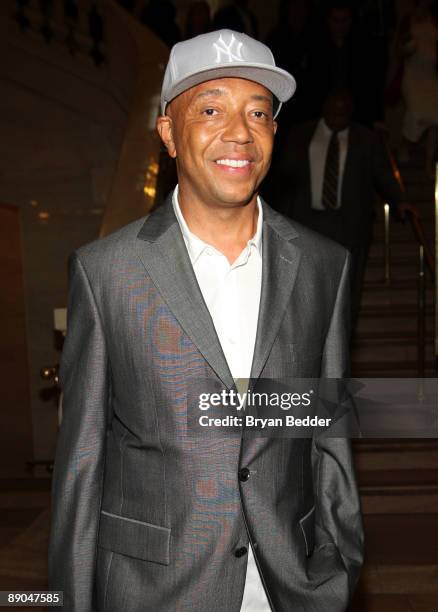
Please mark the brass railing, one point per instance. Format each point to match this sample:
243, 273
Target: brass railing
436, 265
426, 259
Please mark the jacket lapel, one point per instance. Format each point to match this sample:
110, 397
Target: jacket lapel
348, 186
305, 154
163, 252
280, 266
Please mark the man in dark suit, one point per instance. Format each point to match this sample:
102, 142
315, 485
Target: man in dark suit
328, 178
212, 287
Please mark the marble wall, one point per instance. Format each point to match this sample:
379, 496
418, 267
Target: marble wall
62, 122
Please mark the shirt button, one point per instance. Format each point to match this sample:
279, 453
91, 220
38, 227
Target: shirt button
244, 474
232, 340
240, 552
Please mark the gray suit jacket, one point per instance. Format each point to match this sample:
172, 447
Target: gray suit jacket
147, 517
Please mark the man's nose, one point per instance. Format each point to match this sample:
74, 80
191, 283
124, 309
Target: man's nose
237, 130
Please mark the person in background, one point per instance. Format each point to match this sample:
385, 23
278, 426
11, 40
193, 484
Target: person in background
329, 178
237, 16
339, 60
291, 42
198, 19
418, 43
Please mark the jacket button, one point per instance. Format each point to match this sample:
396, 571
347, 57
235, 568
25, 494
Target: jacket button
239, 552
244, 474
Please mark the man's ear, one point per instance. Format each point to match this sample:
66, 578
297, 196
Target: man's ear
275, 124
165, 130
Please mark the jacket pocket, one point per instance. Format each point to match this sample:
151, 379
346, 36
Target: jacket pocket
134, 538
307, 524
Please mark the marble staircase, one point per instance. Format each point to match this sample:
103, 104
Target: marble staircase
398, 478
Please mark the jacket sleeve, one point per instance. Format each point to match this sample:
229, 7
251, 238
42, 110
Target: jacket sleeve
79, 461
338, 521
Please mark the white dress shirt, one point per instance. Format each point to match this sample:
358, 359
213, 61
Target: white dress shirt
317, 156
232, 295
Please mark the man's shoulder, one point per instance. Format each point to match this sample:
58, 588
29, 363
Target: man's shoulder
363, 134
317, 245
313, 245
101, 256
112, 244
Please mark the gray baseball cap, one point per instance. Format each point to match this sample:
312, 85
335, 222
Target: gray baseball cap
223, 53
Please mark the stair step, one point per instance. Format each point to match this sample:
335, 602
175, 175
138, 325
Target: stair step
403, 296
398, 580
392, 310
384, 546
409, 248
395, 285
399, 491
389, 369
398, 238
378, 479
384, 455
397, 260
389, 352
407, 271
414, 499
382, 326
393, 339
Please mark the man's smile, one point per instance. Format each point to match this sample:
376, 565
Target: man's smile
235, 165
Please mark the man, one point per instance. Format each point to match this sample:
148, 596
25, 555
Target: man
338, 59
212, 286
329, 177
291, 42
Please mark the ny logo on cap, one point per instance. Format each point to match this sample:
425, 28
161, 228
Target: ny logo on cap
231, 54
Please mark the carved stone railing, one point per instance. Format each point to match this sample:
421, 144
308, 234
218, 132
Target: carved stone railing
78, 25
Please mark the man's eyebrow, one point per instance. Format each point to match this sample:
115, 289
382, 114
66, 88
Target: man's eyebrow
261, 98
221, 92
209, 92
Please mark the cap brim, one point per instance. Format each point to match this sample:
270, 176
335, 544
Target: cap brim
278, 81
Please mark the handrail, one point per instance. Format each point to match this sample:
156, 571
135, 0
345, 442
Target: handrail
436, 265
426, 256
415, 220
387, 245
418, 229
421, 319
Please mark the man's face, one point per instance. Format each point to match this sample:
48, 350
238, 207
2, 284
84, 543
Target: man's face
339, 23
221, 133
337, 111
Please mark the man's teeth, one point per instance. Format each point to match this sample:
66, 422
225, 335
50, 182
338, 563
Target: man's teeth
234, 163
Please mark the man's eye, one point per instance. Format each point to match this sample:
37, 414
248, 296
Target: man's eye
260, 115
209, 111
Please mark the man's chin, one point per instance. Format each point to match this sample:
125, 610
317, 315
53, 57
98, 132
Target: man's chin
235, 196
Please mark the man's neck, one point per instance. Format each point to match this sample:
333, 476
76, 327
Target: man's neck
329, 128
227, 228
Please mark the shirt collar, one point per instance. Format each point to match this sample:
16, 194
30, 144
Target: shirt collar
329, 131
195, 246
